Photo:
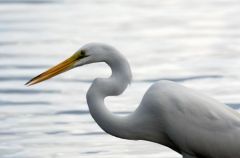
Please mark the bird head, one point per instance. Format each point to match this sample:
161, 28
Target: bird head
89, 53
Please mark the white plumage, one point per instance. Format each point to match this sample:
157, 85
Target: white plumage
180, 118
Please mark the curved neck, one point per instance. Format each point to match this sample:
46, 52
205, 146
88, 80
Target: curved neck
119, 126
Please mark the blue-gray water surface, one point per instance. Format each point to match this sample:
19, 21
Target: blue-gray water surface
195, 43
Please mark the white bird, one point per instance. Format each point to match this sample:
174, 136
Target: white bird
180, 118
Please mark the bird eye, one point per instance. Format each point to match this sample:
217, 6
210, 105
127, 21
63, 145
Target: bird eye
83, 53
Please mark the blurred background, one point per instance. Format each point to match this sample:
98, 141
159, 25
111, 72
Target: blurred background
195, 43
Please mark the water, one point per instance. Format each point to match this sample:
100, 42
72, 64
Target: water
195, 43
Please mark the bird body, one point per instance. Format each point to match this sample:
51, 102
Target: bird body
182, 119
194, 124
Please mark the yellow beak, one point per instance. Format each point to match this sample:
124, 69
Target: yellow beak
60, 68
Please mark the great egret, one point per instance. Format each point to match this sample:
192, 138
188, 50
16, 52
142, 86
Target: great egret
182, 119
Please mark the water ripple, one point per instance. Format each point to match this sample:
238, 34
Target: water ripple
92, 152
181, 79
234, 105
15, 78
55, 132
83, 112
4, 103
28, 1
89, 133
27, 91
73, 112
24, 66
46, 41
177, 79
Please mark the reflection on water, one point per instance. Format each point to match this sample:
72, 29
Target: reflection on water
194, 43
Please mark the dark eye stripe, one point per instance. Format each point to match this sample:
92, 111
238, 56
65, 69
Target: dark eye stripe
80, 57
